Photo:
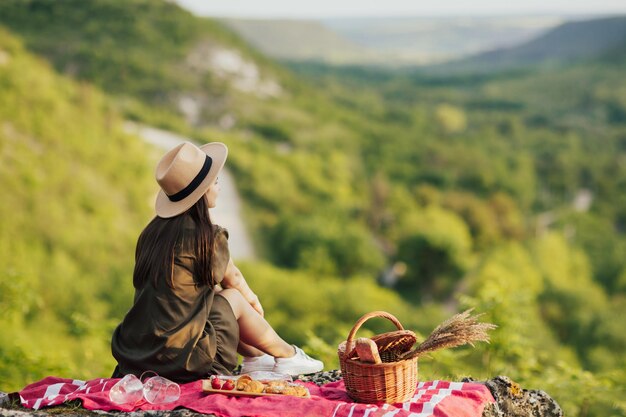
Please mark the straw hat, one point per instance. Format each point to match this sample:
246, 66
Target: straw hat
185, 173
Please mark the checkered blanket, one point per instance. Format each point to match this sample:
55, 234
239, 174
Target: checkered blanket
432, 398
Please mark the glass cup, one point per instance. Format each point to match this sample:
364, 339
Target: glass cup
127, 390
159, 390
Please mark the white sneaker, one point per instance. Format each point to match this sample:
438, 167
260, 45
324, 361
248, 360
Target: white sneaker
300, 363
264, 362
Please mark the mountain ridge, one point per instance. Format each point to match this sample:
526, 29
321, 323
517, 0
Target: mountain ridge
297, 40
388, 42
568, 43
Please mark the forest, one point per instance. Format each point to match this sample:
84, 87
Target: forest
364, 189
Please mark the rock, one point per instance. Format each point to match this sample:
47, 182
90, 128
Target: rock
81, 412
321, 378
514, 401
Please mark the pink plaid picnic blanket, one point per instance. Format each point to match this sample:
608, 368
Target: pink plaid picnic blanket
432, 398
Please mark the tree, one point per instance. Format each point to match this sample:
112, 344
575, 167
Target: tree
435, 244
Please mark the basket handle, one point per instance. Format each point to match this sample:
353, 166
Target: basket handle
363, 319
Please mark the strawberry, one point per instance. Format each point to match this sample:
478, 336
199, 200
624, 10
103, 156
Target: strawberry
215, 382
228, 385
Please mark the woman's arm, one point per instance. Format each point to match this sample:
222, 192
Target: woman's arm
233, 278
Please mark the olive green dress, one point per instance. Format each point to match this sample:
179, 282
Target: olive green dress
182, 333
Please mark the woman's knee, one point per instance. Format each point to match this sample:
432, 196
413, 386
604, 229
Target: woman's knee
235, 299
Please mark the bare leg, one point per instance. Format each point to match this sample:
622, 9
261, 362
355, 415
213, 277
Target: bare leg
249, 351
254, 330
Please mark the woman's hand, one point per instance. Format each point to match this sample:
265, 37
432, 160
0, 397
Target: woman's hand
256, 304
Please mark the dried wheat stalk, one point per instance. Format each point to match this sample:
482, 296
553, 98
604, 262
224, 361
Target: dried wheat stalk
459, 330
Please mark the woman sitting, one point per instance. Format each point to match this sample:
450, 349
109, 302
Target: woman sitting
193, 310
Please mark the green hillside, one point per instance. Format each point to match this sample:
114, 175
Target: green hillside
75, 194
504, 193
568, 43
142, 52
478, 188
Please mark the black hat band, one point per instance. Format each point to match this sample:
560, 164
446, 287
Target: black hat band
185, 192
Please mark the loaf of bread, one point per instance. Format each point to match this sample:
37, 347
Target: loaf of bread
367, 351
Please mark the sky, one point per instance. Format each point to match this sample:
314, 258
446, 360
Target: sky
393, 8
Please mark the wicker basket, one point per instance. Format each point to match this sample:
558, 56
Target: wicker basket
391, 382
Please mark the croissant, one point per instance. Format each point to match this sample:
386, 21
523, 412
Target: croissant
242, 381
275, 387
254, 387
299, 390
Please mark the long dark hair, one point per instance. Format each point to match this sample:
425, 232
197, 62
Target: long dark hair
157, 244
